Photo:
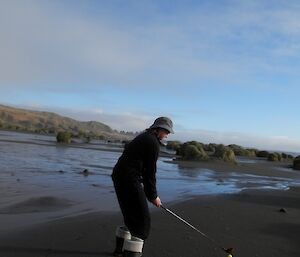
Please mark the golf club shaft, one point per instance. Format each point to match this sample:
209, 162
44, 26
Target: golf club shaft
191, 226
184, 221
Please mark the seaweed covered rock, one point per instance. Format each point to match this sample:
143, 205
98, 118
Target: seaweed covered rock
296, 164
197, 144
240, 151
252, 152
209, 147
182, 148
279, 156
273, 157
192, 151
224, 153
287, 157
235, 147
264, 154
63, 137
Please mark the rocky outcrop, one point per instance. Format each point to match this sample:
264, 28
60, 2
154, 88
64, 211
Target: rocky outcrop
296, 164
264, 154
224, 153
192, 151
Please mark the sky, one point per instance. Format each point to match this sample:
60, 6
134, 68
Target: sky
223, 71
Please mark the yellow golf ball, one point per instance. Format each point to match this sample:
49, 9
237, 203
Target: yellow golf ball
229, 255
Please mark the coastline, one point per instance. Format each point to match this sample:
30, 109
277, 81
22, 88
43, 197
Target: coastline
51, 219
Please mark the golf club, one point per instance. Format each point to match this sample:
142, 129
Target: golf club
227, 250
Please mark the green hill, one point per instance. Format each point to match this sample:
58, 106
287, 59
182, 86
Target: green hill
51, 123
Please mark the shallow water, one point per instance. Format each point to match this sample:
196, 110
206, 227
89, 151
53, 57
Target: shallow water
30, 171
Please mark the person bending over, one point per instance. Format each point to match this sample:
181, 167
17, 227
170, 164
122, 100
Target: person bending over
134, 178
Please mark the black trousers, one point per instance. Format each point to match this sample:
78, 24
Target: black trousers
134, 207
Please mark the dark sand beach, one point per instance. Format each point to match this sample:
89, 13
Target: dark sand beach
249, 221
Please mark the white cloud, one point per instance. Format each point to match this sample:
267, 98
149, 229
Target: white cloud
36, 47
99, 111
42, 44
47, 48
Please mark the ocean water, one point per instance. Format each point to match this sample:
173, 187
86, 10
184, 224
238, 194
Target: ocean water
35, 167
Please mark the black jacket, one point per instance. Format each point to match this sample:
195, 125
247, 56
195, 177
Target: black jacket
138, 163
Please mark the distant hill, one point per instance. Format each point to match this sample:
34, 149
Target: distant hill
50, 123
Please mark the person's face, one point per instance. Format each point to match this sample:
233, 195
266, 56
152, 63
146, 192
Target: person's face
162, 134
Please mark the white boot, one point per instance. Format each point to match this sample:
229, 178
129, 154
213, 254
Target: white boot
122, 234
133, 247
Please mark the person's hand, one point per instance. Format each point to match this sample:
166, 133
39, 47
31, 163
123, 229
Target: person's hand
157, 202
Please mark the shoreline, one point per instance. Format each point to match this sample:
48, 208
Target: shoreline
50, 206
111, 147
71, 145
262, 168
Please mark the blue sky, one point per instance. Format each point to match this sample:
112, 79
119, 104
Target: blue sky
224, 71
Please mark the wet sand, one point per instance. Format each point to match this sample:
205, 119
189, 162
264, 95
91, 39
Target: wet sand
249, 221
